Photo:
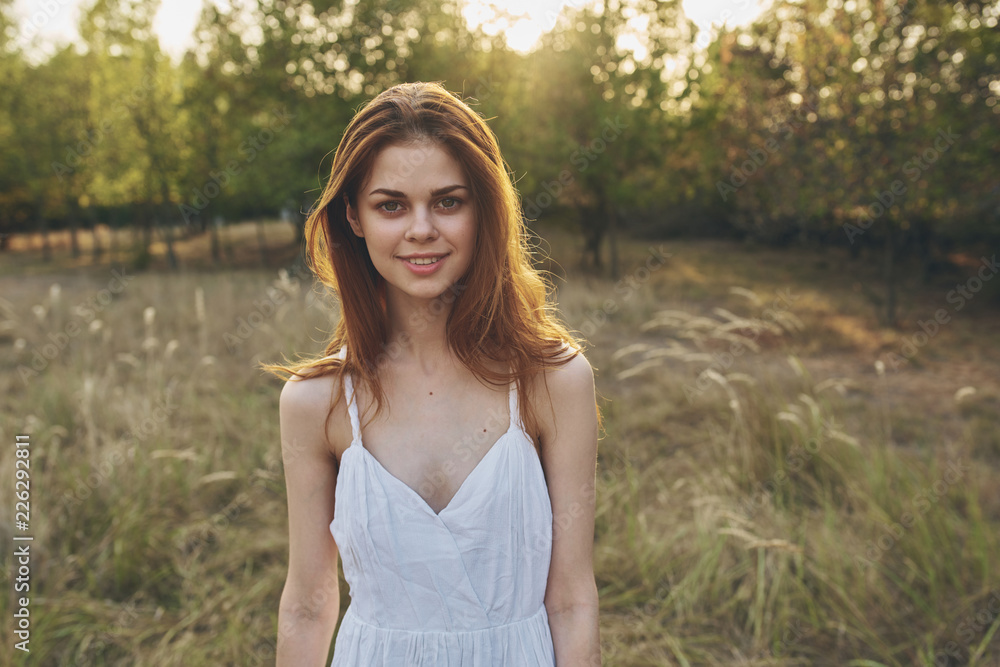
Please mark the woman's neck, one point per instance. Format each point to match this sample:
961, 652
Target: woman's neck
418, 333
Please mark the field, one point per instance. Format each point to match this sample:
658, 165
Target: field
781, 481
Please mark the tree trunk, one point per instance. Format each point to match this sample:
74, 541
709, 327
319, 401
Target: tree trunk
96, 241
167, 232
591, 228
300, 227
46, 246
855, 250
74, 227
889, 275
261, 241
613, 239
226, 241
147, 225
924, 237
213, 232
592, 249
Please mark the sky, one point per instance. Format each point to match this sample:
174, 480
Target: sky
54, 21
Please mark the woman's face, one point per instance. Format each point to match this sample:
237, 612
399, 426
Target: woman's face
416, 208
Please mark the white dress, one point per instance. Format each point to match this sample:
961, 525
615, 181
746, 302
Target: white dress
461, 587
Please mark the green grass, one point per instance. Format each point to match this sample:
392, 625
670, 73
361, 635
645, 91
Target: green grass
794, 507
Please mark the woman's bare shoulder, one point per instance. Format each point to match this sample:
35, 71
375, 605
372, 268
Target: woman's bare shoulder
566, 411
571, 368
305, 404
571, 381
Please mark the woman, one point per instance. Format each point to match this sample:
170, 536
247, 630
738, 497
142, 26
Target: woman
465, 540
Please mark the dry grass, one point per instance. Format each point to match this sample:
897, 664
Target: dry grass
751, 508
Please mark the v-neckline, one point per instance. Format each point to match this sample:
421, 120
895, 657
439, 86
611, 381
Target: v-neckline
413, 492
358, 441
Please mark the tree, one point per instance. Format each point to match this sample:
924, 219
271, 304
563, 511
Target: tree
133, 99
870, 95
597, 89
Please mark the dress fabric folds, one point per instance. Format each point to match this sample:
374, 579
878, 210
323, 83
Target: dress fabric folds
462, 587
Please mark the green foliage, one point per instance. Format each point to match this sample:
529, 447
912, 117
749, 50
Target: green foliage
865, 124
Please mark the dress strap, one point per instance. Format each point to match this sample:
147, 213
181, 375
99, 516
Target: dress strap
352, 409
352, 403
515, 414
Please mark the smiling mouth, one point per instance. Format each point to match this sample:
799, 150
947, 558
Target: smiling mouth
424, 261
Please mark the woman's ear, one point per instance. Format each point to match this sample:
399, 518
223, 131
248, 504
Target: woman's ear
352, 218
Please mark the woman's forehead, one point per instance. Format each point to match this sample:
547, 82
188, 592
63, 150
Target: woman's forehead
416, 167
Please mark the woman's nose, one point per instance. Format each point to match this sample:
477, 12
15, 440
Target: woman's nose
421, 225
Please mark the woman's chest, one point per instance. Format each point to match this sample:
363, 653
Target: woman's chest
431, 439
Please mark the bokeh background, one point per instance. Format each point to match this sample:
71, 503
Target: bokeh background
776, 226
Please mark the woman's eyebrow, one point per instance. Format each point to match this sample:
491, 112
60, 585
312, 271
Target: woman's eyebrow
445, 190
436, 193
383, 191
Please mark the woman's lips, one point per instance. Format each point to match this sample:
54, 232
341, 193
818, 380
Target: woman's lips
424, 269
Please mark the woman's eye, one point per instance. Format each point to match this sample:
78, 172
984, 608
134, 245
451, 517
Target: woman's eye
389, 206
449, 202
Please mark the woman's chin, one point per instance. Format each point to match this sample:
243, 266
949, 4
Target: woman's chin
426, 294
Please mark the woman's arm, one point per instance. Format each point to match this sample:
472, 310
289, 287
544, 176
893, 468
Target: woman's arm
310, 601
568, 424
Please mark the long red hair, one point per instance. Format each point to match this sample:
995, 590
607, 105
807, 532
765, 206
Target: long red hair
500, 307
